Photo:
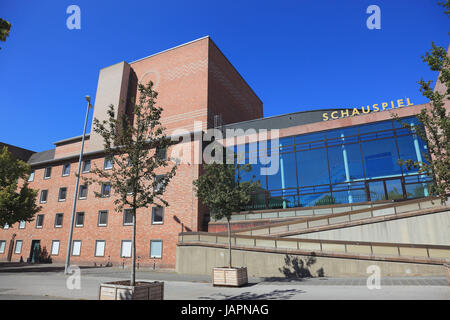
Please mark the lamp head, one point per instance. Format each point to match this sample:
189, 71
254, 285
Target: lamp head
88, 99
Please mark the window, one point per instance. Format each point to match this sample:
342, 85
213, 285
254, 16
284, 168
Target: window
47, 172
108, 163
106, 189
158, 185
6, 226
62, 194
100, 248
127, 217
83, 192
125, 250
31, 177
79, 220
44, 194
66, 170
2, 246
59, 220
157, 215
161, 153
18, 247
86, 166
55, 248
155, 248
102, 218
39, 221
22, 224
76, 247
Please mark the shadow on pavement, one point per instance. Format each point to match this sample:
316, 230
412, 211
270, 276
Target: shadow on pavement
14, 267
273, 295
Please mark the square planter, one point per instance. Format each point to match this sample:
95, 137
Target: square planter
121, 290
230, 277
447, 272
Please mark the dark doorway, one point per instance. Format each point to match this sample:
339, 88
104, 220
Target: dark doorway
34, 251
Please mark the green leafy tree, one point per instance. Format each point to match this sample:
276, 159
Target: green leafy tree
222, 190
17, 200
135, 143
435, 122
5, 27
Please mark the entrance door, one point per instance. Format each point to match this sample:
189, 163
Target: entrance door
34, 251
386, 189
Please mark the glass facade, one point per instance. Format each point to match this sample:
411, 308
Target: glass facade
346, 165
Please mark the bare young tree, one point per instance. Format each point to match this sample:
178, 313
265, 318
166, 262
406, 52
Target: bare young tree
137, 146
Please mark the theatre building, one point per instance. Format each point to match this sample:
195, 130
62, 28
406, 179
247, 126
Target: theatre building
326, 157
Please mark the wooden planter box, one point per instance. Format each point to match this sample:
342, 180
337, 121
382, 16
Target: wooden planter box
231, 277
447, 273
121, 290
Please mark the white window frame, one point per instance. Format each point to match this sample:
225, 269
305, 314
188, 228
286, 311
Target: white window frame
53, 248
98, 218
6, 226
46, 196
106, 161
76, 219
63, 170
59, 194
20, 247
96, 248
102, 191
128, 242
84, 166
31, 177
76, 252
153, 215
59, 225
2, 246
37, 219
152, 256
45, 172
22, 224
124, 214
79, 192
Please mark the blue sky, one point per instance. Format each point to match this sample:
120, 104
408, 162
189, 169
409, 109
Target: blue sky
296, 55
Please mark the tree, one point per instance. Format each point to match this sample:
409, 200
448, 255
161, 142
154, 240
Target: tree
134, 143
5, 27
435, 122
222, 190
17, 203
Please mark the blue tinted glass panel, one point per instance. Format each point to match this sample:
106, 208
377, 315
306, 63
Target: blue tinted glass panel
373, 127
309, 137
255, 175
408, 120
312, 167
342, 132
345, 163
411, 147
350, 196
380, 158
286, 176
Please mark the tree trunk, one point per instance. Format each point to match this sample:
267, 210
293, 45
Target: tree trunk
229, 243
133, 251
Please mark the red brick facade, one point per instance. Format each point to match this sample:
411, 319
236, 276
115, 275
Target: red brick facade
194, 82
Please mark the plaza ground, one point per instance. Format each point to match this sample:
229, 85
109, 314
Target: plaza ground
49, 282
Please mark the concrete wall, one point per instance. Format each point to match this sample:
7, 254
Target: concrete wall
426, 229
201, 260
112, 89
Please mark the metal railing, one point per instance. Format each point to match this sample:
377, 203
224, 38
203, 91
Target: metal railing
358, 249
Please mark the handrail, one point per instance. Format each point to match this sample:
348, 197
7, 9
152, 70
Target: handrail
394, 205
355, 249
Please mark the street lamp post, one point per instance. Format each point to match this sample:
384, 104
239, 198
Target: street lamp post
69, 243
